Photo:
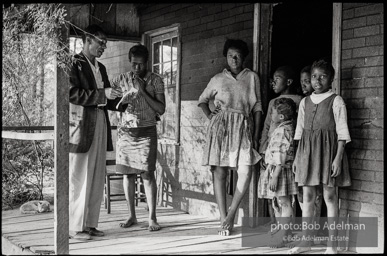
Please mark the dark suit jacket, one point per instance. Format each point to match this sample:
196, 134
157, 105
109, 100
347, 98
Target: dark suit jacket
84, 99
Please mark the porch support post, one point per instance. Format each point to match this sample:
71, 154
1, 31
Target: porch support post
253, 190
61, 157
256, 36
336, 45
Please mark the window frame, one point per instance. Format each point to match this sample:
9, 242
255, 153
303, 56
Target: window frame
147, 41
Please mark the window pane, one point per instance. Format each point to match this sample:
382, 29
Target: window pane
156, 69
156, 53
164, 62
167, 127
174, 72
167, 73
167, 50
174, 48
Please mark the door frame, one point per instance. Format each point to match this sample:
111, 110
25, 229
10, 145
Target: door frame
262, 37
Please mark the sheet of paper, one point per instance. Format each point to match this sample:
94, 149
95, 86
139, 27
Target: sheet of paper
129, 93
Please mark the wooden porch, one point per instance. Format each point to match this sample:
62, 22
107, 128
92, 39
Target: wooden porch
181, 233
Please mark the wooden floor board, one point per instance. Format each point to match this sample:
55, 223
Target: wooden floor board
181, 233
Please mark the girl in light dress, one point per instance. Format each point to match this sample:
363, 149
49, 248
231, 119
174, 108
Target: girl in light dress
322, 131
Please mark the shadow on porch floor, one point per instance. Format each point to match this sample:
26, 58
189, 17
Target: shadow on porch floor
181, 233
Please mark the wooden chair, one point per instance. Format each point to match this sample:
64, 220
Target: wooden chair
112, 175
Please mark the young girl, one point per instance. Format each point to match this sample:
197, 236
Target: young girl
306, 85
307, 89
323, 132
279, 159
283, 83
233, 131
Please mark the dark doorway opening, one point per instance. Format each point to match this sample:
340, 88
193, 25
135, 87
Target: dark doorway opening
301, 34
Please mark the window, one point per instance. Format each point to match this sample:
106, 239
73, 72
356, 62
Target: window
165, 61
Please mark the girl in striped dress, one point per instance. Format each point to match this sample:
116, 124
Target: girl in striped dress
136, 146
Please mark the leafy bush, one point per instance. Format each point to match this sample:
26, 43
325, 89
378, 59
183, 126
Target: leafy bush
25, 171
31, 46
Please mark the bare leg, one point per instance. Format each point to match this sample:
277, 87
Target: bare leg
309, 198
129, 190
151, 194
279, 238
317, 206
331, 201
219, 176
244, 177
300, 196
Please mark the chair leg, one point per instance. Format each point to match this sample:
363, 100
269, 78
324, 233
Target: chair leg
138, 184
104, 196
142, 189
108, 193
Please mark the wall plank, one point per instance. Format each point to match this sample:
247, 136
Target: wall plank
27, 136
104, 15
79, 16
127, 20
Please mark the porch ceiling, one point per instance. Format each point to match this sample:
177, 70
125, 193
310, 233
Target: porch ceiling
120, 21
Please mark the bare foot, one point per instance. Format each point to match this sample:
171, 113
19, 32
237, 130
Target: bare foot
227, 225
297, 250
278, 240
224, 232
330, 250
273, 231
129, 222
153, 225
295, 241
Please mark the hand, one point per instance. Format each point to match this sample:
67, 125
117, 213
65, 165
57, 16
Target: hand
336, 167
139, 83
216, 111
112, 93
273, 183
293, 200
255, 144
294, 168
262, 163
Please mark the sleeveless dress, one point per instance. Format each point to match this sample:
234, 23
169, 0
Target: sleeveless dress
318, 147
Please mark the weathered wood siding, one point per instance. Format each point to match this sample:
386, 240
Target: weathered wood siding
120, 21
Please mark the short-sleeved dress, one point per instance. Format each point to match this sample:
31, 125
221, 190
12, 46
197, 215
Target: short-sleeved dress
318, 147
136, 147
229, 133
280, 150
269, 126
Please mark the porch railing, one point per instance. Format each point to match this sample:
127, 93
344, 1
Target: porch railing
60, 225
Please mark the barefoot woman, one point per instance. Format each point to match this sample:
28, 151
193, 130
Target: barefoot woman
233, 131
136, 135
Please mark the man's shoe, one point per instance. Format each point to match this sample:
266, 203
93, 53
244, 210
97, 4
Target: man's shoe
94, 232
81, 236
